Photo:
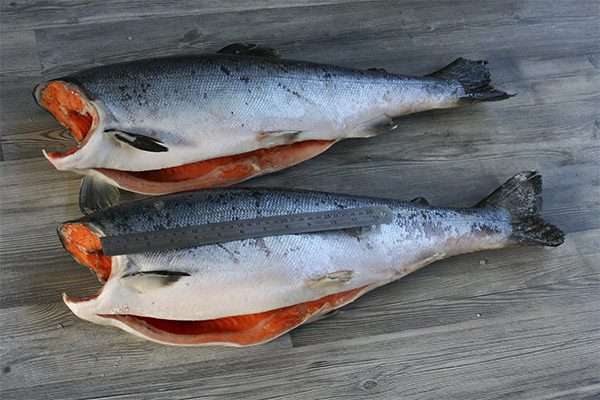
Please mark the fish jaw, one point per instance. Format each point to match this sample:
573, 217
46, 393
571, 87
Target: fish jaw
234, 331
222, 171
64, 161
96, 147
84, 308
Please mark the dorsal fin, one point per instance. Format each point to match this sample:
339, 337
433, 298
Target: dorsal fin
249, 49
420, 200
380, 70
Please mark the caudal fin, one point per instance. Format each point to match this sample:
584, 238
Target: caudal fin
474, 78
521, 197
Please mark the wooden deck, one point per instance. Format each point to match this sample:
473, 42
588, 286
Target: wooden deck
516, 323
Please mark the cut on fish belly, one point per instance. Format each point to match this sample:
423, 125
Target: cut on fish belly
217, 119
250, 291
217, 172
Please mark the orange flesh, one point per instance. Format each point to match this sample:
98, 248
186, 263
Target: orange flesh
241, 330
216, 172
68, 108
85, 246
235, 168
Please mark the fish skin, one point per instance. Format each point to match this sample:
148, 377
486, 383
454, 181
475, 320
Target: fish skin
274, 263
209, 106
256, 275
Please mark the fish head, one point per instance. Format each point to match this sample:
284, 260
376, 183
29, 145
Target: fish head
71, 107
82, 241
81, 238
69, 104
75, 109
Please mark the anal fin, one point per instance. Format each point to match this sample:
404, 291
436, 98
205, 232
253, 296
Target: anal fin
373, 127
96, 194
422, 263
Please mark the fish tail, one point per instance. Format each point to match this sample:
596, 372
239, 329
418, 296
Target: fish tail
521, 197
474, 77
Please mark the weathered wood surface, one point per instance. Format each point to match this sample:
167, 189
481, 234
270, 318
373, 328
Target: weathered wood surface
518, 323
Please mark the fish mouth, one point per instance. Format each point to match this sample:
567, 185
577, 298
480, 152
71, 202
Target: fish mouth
72, 109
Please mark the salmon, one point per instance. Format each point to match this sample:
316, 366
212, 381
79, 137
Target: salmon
250, 291
167, 125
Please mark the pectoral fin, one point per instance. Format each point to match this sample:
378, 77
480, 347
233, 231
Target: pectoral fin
96, 194
249, 49
149, 281
140, 142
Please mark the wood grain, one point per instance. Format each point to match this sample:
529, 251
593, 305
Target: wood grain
515, 323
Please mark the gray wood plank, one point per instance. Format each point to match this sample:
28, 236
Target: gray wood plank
419, 363
515, 323
397, 34
19, 54
16, 15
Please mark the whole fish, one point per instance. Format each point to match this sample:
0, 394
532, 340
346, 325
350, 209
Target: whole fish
250, 291
172, 124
